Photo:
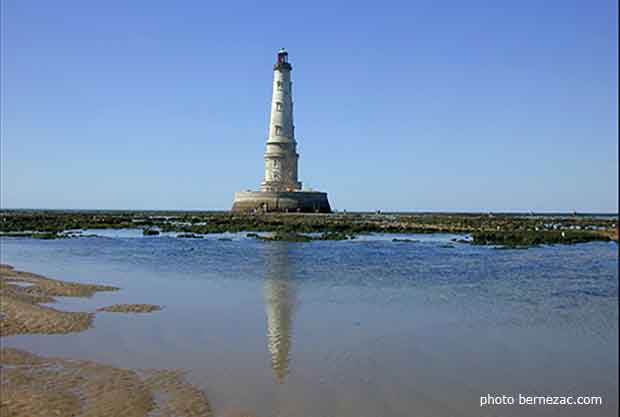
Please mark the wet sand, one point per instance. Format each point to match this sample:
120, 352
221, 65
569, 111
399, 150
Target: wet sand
130, 308
22, 295
33, 385
36, 386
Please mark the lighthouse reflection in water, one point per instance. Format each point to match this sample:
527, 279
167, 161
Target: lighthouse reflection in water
279, 304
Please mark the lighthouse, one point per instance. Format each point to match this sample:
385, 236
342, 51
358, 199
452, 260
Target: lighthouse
281, 156
281, 190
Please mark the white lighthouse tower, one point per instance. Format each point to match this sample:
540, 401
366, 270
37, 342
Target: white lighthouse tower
281, 156
281, 188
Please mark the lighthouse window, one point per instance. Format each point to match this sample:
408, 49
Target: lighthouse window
279, 84
278, 130
279, 106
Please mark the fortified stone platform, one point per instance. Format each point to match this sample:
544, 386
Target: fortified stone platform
281, 201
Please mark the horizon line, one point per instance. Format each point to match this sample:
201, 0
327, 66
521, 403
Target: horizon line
413, 211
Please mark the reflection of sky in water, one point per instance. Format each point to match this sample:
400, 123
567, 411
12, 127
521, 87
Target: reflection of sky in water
364, 327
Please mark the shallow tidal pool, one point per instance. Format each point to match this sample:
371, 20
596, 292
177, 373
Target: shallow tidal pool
364, 327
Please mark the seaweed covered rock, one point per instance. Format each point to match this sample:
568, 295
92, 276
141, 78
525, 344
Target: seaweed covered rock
532, 237
189, 236
335, 236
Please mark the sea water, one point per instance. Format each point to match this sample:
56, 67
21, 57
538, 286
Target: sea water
365, 327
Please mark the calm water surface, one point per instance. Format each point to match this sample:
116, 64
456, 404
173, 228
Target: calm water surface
358, 328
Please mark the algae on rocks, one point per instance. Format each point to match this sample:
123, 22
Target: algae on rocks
516, 239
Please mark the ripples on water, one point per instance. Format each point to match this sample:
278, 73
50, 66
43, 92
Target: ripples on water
362, 327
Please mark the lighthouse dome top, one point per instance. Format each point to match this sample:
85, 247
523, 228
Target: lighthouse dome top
282, 61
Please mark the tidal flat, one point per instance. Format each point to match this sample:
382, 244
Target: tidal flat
386, 324
34, 385
506, 229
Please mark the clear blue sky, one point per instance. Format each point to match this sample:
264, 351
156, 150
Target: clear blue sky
405, 105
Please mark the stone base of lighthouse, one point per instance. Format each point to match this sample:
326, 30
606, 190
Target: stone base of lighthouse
283, 201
